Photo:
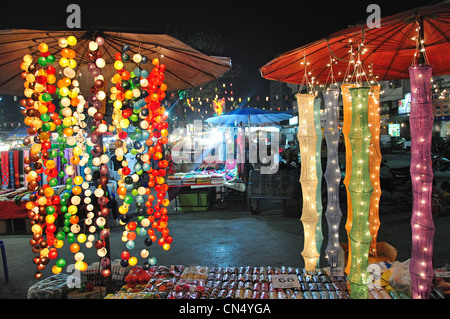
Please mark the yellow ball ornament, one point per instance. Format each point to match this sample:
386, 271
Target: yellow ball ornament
78, 180
81, 238
71, 40
58, 243
132, 261
118, 65
56, 270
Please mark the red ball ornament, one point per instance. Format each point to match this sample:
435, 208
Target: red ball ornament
99, 244
126, 170
126, 113
125, 255
53, 253
51, 228
132, 225
106, 273
123, 135
50, 70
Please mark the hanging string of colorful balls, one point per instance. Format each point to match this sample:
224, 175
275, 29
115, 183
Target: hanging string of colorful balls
149, 138
142, 109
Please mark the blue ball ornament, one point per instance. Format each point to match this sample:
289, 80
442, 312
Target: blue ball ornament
130, 244
152, 261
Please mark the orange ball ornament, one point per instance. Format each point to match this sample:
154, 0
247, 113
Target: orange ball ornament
43, 47
74, 248
74, 219
76, 190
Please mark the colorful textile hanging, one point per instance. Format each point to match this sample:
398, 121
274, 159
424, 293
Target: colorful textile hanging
11, 170
5, 170
16, 169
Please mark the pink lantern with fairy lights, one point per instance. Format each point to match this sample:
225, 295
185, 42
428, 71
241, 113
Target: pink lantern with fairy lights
421, 123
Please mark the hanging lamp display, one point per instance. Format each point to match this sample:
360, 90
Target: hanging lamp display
374, 165
140, 92
137, 97
347, 122
332, 176
360, 189
421, 123
307, 138
319, 175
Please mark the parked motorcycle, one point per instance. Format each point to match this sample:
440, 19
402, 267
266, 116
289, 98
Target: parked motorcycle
398, 180
440, 162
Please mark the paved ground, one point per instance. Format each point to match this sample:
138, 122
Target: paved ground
232, 236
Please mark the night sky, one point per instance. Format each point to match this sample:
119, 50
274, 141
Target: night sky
253, 32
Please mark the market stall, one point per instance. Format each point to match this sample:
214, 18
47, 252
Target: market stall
359, 57
64, 108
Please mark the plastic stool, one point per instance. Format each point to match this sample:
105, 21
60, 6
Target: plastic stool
5, 263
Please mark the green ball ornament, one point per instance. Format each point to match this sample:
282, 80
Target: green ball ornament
46, 97
69, 181
51, 59
53, 182
61, 174
61, 263
42, 61
53, 153
60, 235
46, 127
50, 210
128, 199
66, 229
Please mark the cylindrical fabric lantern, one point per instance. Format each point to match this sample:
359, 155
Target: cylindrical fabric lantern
332, 177
307, 139
374, 166
319, 174
347, 123
421, 123
360, 189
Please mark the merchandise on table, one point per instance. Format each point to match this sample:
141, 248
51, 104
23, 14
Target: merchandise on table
93, 273
203, 179
53, 287
442, 281
174, 180
203, 282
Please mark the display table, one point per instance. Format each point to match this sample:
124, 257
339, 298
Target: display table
9, 210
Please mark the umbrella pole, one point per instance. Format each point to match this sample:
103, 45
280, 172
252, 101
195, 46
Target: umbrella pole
421, 122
